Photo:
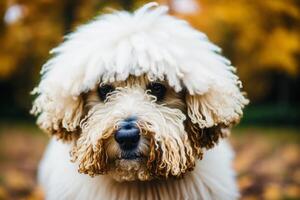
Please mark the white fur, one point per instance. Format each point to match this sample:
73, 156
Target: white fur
148, 41
111, 48
213, 178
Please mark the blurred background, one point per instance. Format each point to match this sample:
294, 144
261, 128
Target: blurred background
261, 38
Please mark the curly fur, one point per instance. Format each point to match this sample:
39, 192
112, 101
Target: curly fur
170, 150
129, 51
114, 46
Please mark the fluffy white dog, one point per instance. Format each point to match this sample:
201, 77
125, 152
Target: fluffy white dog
138, 104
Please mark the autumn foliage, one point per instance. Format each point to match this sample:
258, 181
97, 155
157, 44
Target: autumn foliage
262, 38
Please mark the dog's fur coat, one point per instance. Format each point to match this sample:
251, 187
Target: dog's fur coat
179, 155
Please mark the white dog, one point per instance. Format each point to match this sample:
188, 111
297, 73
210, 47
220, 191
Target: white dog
137, 103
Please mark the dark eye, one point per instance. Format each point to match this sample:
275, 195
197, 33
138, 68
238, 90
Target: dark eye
157, 89
104, 90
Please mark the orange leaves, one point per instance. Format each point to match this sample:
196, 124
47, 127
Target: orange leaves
288, 7
259, 37
267, 162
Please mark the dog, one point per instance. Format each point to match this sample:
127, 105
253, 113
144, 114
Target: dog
138, 106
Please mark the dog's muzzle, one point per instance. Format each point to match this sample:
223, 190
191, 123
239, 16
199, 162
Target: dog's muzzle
128, 136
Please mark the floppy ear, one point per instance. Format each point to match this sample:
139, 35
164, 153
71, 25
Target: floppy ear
58, 115
211, 114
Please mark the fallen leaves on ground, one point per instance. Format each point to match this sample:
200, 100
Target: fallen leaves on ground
267, 162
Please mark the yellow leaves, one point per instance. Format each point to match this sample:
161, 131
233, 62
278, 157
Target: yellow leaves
13, 47
232, 12
3, 193
288, 7
280, 49
260, 37
7, 66
272, 191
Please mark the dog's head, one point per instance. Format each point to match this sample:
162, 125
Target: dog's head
139, 96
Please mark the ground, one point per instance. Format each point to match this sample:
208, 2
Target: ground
267, 161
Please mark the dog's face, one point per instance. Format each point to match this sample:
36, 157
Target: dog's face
136, 99
138, 129
134, 129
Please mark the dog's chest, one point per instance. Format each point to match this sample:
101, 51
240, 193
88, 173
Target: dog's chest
213, 178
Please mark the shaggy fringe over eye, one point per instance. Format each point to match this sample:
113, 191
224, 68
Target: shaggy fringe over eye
59, 116
171, 153
211, 114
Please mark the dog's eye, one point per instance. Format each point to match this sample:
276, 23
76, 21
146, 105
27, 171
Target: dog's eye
157, 89
104, 90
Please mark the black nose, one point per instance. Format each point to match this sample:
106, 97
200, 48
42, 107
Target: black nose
128, 134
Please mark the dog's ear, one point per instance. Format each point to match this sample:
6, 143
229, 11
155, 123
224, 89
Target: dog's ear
59, 116
211, 114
